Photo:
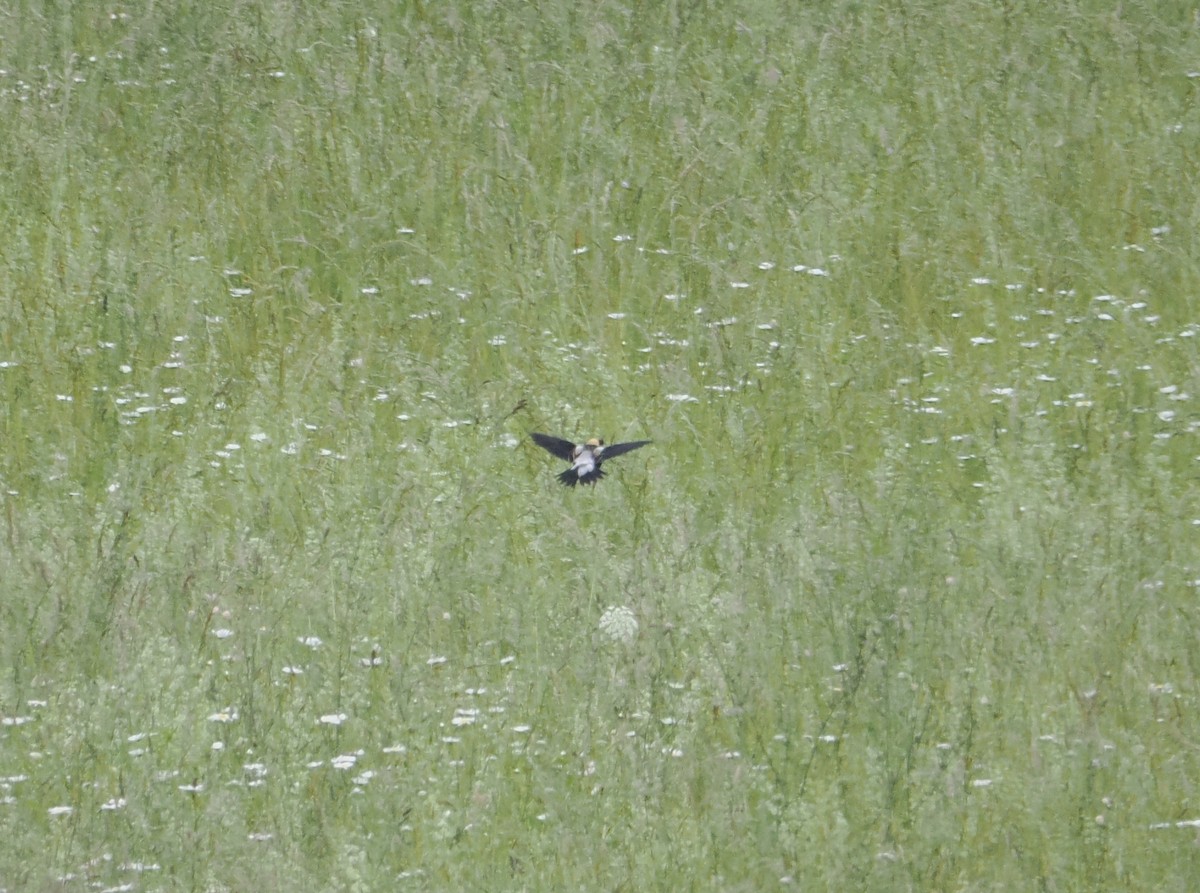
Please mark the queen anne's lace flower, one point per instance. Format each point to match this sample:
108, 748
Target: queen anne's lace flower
619, 624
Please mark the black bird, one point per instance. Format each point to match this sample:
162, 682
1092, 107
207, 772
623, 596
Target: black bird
585, 458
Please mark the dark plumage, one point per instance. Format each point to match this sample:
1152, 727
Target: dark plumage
585, 458
556, 446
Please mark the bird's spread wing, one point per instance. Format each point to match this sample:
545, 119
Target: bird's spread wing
618, 448
564, 449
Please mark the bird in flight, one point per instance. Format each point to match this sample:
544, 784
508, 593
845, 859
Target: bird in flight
585, 458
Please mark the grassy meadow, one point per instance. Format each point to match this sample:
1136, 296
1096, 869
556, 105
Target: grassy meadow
903, 596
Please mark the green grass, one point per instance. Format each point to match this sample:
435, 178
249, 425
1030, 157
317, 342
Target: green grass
912, 556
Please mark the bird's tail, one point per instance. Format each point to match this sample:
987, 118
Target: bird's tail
570, 477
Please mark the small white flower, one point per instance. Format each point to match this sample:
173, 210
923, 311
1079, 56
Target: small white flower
345, 761
619, 624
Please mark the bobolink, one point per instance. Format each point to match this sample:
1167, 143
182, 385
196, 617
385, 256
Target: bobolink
585, 458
